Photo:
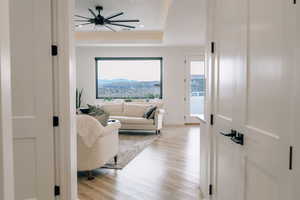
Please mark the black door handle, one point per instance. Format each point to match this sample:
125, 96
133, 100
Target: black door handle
238, 138
232, 134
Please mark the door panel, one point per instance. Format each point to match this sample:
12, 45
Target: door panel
266, 85
266, 131
257, 176
252, 87
227, 164
32, 98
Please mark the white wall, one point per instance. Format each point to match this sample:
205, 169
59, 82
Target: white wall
173, 73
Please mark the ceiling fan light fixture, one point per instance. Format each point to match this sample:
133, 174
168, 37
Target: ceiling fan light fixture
98, 20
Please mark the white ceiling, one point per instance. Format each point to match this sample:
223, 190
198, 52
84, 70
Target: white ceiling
186, 23
181, 22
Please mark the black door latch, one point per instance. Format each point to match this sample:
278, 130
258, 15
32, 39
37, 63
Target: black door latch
238, 138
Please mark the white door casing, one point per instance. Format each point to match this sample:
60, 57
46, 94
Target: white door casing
65, 85
295, 108
252, 86
188, 117
6, 147
32, 99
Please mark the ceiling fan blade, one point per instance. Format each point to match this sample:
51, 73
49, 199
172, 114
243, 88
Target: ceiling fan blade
93, 13
116, 15
122, 25
83, 24
110, 28
82, 17
131, 20
80, 20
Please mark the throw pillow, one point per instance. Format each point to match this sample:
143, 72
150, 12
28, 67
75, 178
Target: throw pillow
148, 112
152, 114
98, 114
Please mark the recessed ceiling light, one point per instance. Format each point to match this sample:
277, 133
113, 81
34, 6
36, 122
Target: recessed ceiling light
79, 26
142, 26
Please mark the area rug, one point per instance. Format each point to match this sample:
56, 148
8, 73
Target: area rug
130, 145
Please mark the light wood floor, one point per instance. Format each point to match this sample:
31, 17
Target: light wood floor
167, 170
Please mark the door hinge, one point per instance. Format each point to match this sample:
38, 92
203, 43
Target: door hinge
184, 99
56, 190
184, 61
291, 158
212, 47
211, 119
54, 50
210, 189
55, 121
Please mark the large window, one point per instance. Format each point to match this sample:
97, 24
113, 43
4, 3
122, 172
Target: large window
128, 78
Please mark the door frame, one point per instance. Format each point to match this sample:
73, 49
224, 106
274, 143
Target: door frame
6, 140
188, 119
65, 76
64, 98
210, 55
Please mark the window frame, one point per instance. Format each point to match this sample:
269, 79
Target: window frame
97, 59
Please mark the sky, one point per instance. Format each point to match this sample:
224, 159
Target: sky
139, 70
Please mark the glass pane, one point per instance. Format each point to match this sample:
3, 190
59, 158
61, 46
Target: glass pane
129, 79
197, 88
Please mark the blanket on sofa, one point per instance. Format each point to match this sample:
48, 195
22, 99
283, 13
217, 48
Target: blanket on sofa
89, 129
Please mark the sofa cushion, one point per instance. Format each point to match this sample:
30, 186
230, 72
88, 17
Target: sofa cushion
132, 120
135, 110
113, 108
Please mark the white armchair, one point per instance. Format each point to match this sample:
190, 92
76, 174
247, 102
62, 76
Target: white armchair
96, 144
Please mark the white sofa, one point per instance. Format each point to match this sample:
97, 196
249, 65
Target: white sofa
96, 145
131, 115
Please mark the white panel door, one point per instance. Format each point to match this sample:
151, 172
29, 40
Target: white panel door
264, 91
252, 92
32, 98
228, 34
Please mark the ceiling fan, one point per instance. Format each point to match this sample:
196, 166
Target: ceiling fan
107, 22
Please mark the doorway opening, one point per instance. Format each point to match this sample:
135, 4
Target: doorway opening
195, 83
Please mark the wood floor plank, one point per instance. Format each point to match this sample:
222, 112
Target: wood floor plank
167, 169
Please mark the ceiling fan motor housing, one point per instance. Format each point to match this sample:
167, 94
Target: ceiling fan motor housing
99, 8
99, 20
